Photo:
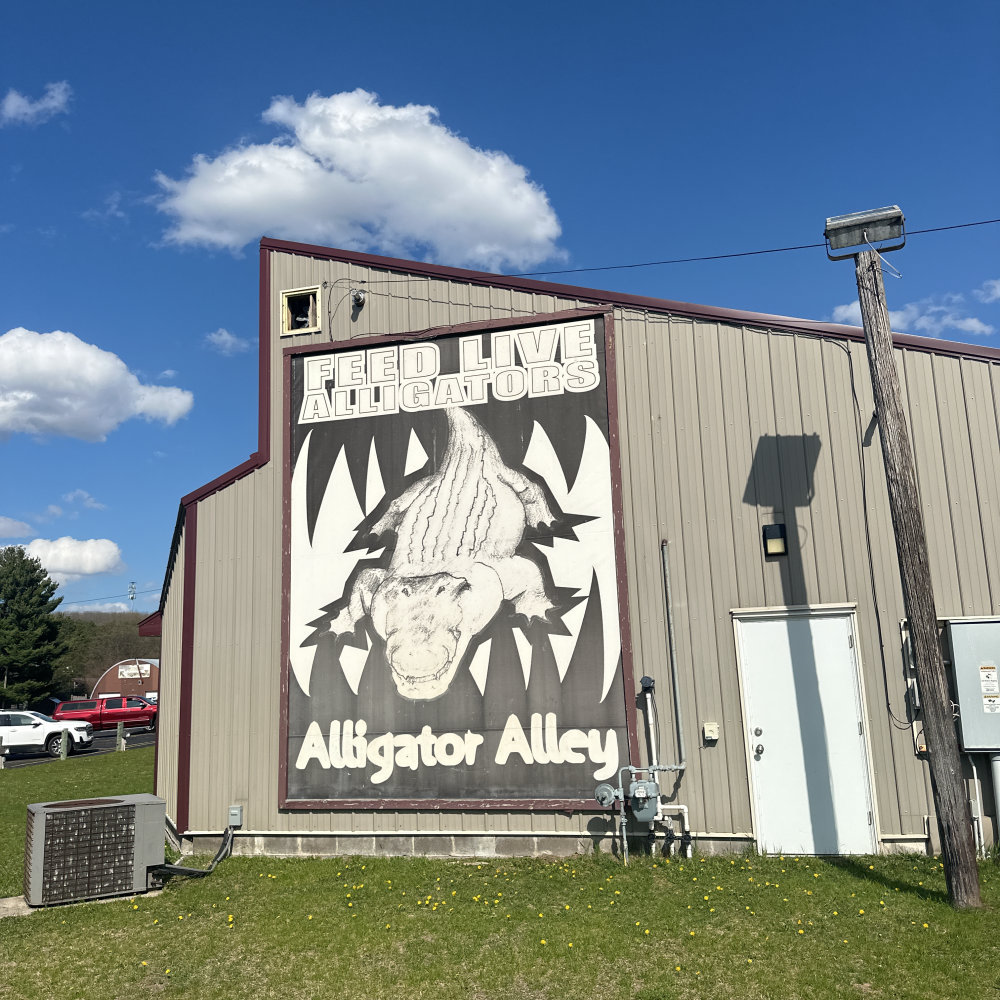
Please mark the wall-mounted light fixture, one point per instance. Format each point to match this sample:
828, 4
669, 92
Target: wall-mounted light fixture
775, 542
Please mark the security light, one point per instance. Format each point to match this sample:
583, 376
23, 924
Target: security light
775, 542
859, 229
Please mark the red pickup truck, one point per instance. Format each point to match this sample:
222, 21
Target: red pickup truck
106, 713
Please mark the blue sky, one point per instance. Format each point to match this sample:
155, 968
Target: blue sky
142, 156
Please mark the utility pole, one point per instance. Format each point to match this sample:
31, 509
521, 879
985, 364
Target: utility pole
947, 785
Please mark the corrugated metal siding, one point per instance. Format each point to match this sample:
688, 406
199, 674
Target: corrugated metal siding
696, 399
170, 680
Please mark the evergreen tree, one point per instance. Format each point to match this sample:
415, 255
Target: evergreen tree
29, 632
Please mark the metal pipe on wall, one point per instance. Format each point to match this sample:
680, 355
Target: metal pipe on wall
977, 811
665, 561
995, 774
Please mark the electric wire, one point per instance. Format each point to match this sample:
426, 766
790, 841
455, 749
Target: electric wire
112, 597
895, 720
728, 256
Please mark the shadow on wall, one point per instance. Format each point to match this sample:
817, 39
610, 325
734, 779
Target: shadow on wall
781, 482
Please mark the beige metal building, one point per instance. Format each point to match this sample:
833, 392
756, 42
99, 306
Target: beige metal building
800, 722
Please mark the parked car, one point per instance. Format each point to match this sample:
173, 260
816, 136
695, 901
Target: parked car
106, 713
34, 731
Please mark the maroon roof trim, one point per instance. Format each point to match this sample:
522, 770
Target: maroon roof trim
221, 482
151, 625
187, 670
263, 454
713, 313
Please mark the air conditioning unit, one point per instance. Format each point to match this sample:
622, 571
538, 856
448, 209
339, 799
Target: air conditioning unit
89, 848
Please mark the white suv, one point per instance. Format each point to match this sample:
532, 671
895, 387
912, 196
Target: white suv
34, 731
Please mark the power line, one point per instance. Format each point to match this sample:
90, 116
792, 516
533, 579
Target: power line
112, 597
728, 256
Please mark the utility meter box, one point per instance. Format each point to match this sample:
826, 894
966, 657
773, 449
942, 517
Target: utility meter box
974, 646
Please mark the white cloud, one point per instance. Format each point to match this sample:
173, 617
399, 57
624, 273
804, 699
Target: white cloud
929, 317
66, 559
55, 383
16, 109
84, 498
363, 175
227, 343
112, 210
9, 528
167, 373
988, 291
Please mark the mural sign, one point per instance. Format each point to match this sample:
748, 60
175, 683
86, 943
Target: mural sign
452, 599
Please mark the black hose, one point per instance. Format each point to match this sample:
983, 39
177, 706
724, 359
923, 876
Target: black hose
225, 849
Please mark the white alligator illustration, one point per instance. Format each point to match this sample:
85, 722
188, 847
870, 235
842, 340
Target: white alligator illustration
454, 562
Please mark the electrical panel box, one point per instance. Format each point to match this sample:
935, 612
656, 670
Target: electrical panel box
89, 848
974, 645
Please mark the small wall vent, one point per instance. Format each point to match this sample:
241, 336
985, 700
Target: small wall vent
300, 311
89, 848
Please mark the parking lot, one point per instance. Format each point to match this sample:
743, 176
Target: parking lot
104, 742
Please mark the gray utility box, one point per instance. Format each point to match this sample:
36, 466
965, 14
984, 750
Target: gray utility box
974, 646
88, 848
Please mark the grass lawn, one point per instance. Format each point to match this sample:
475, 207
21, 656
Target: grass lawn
712, 927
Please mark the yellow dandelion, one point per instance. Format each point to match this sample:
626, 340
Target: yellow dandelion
135, 906
569, 944
544, 941
145, 963
677, 968
861, 911
646, 931
309, 917
801, 931
692, 933
926, 925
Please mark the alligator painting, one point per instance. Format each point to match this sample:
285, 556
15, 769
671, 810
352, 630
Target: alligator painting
454, 563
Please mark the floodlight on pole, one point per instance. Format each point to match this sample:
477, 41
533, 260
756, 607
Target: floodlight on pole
858, 230
861, 231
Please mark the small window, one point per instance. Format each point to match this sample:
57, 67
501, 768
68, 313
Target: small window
79, 706
300, 311
135, 703
113, 703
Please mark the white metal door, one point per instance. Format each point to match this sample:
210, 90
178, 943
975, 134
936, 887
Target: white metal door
806, 746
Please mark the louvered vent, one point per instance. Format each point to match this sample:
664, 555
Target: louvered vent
88, 848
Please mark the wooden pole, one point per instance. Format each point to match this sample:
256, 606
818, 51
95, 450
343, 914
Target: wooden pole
947, 785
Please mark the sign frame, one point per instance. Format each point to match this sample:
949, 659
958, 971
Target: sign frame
567, 805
